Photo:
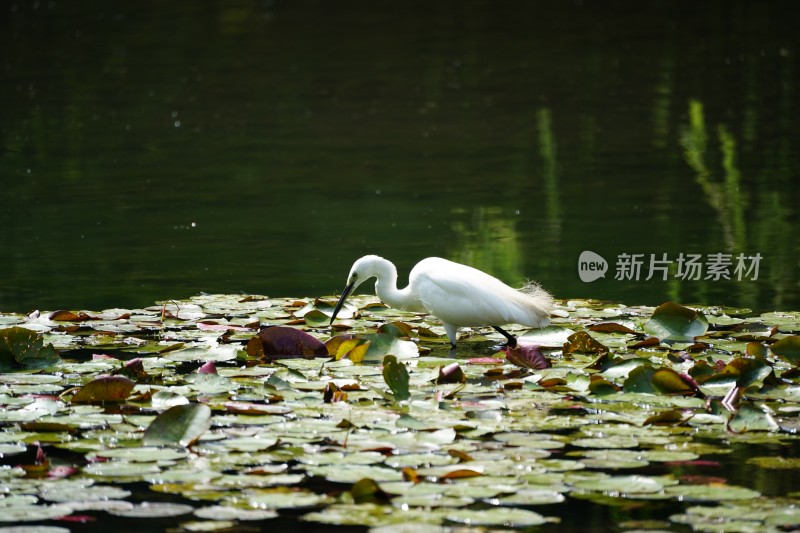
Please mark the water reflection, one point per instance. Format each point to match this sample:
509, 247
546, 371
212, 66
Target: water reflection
723, 195
487, 239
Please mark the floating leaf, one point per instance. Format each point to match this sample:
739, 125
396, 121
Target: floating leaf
621, 485
527, 356
396, 329
506, 517
751, 418
776, 462
155, 510
528, 497
549, 336
225, 512
395, 374
33, 513
22, 347
584, 343
600, 386
640, 379
180, 425
368, 491
104, 389
667, 381
281, 342
133, 369
316, 318
69, 316
612, 327
282, 499
671, 321
748, 370
712, 493
383, 344
649, 342
788, 349
673, 417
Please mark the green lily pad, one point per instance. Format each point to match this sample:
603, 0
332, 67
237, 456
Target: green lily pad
180, 425
22, 347
84, 494
527, 497
372, 515
280, 499
671, 321
226, 512
711, 493
316, 318
751, 418
396, 376
788, 349
143, 454
33, 513
504, 517
155, 510
104, 389
548, 336
627, 485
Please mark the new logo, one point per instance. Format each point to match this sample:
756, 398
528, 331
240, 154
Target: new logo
591, 266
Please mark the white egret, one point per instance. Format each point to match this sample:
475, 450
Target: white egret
456, 294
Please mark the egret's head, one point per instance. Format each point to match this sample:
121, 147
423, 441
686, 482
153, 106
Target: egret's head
362, 270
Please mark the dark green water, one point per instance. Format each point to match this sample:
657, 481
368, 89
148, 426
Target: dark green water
154, 150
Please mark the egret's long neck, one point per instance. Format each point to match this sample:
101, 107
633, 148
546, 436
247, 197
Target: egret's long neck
387, 291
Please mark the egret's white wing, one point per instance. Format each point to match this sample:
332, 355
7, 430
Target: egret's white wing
464, 296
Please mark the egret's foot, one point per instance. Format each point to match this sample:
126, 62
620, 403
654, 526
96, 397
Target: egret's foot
512, 340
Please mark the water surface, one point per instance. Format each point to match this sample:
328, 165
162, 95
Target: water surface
154, 151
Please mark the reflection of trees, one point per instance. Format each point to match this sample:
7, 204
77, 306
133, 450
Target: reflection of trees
769, 233
725, 195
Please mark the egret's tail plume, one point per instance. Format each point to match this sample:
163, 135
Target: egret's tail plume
543, 298
534, 290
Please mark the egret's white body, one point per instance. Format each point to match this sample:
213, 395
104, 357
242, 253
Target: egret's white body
456, 294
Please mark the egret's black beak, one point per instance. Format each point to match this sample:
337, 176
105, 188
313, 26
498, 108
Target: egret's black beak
345, 293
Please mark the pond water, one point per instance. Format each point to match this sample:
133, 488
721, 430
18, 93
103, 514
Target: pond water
155, 151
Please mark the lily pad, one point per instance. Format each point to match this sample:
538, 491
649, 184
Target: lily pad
225, 512
180, 425
23, 348
104, 389
155, 510
671, 321
788, 349
278, 342
33, 513
504, 517
282, 499
711, 493
549, 336
621, 485
396, 376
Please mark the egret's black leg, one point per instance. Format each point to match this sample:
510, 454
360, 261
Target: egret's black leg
512, 340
